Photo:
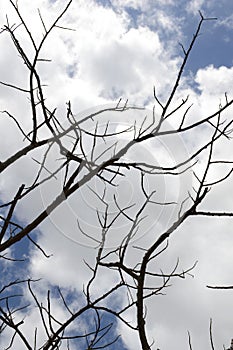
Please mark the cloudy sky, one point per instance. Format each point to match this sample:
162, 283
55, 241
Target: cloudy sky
121, 49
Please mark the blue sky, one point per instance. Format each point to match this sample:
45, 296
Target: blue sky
213, 45
122, 48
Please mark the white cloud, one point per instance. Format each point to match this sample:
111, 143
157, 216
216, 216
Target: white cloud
141, 4
215, 81
136, 4
227, 22
195, 6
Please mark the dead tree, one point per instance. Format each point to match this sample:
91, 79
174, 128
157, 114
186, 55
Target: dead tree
77, 166
231, 347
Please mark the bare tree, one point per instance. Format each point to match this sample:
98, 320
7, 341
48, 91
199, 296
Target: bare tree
86, 150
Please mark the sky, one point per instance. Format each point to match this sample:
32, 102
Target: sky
122, 49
